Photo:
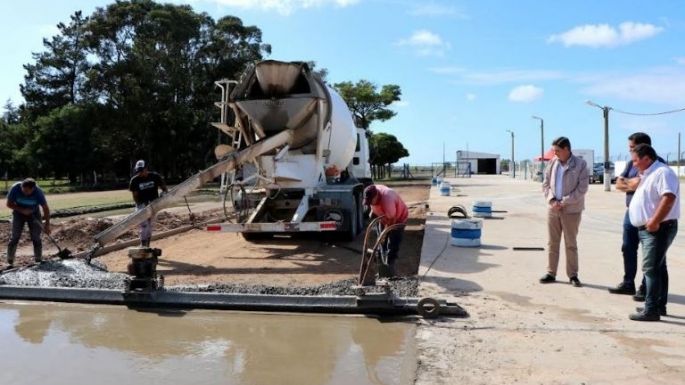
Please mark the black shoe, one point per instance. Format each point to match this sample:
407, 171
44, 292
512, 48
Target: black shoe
639, 296
645, 316
623, 288
548, 278
575, 282
662, 310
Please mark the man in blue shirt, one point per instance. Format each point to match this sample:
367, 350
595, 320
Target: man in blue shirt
23, 199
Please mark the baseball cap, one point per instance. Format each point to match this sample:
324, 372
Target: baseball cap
140, 165
369, 193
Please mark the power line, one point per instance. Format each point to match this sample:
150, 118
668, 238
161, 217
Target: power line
648, 114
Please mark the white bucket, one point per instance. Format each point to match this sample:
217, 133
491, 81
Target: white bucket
482, 209
466, 232
445, 189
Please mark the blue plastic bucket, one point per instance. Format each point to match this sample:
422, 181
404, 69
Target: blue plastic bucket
445, 189
482, 209
466, 232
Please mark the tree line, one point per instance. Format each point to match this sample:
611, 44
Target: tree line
136, 80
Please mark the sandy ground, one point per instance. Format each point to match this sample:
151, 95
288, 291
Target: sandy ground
523, 332
199, 257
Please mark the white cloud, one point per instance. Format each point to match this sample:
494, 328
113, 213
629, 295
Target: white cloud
447, 70
525, 94
284, 7
660, 85
425, 43
604, 35
434, 9
401, 104
470, 97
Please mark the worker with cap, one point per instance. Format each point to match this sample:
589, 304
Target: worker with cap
144, 186
23, 199
386, 203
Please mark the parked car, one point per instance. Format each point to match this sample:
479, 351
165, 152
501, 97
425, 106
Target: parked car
598, 173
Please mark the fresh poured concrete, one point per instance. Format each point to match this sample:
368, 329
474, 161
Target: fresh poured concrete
523, 332
48, 343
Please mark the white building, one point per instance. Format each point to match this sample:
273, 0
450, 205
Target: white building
480, 162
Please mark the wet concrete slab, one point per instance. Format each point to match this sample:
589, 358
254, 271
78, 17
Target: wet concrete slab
86, 344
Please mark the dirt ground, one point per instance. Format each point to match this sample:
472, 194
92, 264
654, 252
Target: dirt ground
198, 257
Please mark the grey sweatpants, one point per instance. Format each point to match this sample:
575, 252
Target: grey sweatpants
18, 221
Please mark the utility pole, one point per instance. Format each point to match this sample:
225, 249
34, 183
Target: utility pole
513, 162
607, 164
679, 155
542, 146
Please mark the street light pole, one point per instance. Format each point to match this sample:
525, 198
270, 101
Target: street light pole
542, 146
605, 113
513, 162
679, 156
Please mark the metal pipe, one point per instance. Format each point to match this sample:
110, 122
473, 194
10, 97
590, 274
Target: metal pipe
371, 304
193, 183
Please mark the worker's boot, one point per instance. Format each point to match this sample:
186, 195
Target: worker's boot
11, 252
38, 253
386, 271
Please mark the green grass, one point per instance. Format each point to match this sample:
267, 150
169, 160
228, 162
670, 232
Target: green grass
88, 199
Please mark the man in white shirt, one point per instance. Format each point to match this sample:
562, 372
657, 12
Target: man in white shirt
654, 210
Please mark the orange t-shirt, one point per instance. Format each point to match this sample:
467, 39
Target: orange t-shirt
390, 205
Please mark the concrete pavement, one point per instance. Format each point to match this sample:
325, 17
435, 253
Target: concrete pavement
521, 331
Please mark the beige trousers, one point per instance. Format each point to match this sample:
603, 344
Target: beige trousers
559, 223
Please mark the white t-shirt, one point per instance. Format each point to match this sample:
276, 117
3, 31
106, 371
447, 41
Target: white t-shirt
656, 181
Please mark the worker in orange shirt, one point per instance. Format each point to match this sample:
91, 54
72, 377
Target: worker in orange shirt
384, 201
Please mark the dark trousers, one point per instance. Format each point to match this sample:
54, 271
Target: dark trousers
392, 244
18, 221
631, 242
654, 247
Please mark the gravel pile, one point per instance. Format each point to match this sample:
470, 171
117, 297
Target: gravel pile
404, 287
67, 273
77, 274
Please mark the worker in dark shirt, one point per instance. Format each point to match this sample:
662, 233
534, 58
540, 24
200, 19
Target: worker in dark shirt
23, 199
144, 186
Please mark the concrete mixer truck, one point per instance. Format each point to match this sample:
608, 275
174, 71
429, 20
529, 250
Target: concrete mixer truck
294, 162
314, 181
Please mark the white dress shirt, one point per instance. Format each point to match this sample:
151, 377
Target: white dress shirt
559, 180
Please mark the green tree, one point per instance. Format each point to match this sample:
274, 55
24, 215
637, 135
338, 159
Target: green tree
366, 103
133, 80
58, 76
388, 150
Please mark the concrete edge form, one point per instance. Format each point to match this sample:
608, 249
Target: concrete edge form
382, 305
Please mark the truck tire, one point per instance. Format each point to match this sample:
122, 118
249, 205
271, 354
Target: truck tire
352, 219
360, 214
251, 237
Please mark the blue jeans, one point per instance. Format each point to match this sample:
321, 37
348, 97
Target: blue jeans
654, 248
631, 242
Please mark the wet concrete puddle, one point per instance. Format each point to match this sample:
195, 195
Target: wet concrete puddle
54, 343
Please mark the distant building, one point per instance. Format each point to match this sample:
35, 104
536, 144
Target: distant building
481, 162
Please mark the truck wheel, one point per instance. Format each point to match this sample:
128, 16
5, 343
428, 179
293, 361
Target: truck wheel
251, 237
352, 218
360, 214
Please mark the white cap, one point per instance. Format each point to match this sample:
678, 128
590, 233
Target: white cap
140, 165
